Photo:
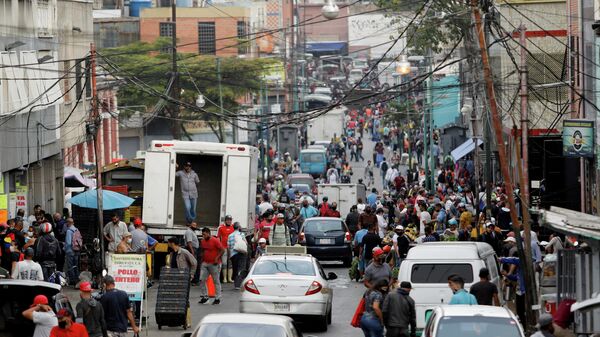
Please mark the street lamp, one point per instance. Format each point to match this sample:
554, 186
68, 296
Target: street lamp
330, 10
200, 101
403, 66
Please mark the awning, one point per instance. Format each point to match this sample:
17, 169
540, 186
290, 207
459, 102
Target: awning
464, 149
73, 178
589, 304
327, 47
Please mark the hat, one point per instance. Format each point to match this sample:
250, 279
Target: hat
126, 234
490, 224
461, 205
40, 299
228, 217
377, 252
544, 320
280, 216
262, 240
64, 312
387, 249
46, 227
187, 164
510, 239
405, 285
399, 228
137, 222
452, 222
85, 286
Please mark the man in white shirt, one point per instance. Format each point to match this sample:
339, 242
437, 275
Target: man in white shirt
381, 223
424, 217
28, 269
114, 232
360, 206
42, 316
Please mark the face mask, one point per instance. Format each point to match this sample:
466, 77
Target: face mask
13, 249
62, 324
305, 206
129, 240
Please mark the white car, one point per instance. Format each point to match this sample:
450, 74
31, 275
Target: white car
292, 285
472, 321
247, 325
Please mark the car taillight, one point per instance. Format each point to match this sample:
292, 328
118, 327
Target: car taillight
251, 287
314, 288
348, 237
301, 237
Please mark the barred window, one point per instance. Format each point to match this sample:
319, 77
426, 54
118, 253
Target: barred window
206, 38
165, 29
242, 35
547, 69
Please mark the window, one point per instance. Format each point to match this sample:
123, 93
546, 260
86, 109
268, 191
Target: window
241, 329
206, 38
67, 81
79, 83
323, 226
289, 266
472, 326
165, 29
88, 78
439, 272
242, 35
313, 157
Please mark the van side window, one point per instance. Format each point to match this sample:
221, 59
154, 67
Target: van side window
492, 265
439, 272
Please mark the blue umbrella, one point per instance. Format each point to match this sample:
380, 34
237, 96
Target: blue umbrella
110, 200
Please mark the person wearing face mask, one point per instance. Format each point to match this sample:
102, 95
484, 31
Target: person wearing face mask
66, 326
378, 269
90, 312
307, 210
125, 244
114, 232
332, 212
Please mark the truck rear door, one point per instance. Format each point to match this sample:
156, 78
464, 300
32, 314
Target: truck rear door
347, 199
158, 188
238, 189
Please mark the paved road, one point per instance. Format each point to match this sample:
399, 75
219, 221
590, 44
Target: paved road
346, 293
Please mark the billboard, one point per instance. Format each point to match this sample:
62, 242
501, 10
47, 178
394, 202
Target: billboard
578, 138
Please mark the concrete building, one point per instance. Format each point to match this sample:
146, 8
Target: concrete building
208, 30
111, 29
44, 98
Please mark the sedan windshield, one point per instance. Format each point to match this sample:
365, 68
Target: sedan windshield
285, 266
240, 329
477, 326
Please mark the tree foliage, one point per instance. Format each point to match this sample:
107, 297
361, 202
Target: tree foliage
151, 63
440, 22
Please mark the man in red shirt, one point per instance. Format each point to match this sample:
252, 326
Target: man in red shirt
67, 327
212, 252
264, 227
332, 212
223, 234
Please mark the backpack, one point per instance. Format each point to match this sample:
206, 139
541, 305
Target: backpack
384, 166
50, 249
76, 241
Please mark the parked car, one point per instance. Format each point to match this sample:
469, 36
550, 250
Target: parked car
254, 325
291, 285
17, 295
428, 266
472, 321
327, 239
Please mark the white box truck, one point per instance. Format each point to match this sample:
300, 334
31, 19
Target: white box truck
227, 174
345, 195
327, 125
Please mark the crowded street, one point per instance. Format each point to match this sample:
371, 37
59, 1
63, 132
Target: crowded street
285, 168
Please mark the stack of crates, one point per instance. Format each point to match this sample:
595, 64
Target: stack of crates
173, 298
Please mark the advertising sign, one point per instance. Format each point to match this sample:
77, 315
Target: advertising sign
578, 138
129, 272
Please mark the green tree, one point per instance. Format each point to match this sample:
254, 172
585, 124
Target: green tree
440, 22
151, 64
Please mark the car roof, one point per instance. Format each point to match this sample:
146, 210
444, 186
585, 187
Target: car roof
300, 257
30, 283
299, 175
475, 310
317, 218
449, 250
246, 319
313, 151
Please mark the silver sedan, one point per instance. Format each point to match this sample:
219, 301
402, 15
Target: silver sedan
291, 285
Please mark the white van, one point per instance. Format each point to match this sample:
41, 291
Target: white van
428, 265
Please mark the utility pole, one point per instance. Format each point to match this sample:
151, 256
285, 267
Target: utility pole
433, 159
92, 129
175, 124
524, 252
426, 124
524, 118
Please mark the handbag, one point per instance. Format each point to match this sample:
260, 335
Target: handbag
358, 313
240, 244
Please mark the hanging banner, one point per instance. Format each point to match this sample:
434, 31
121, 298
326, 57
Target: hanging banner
129, 272
578, 138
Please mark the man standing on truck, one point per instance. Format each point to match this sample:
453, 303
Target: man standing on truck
188, 179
